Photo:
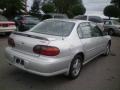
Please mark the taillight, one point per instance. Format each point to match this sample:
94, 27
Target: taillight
0, 25
11, 24
46, 50
11, 42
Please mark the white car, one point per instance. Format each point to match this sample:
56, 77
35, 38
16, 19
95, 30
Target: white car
57, 46
112, 27
6, 26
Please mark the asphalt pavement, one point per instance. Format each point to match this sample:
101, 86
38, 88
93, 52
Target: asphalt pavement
103, 73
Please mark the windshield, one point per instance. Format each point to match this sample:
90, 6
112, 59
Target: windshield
54, 27
2, 18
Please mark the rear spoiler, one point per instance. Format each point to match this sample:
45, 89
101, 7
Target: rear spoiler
31, 36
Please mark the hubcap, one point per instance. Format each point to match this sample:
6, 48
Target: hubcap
76, 67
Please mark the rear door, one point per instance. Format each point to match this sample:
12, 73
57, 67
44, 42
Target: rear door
88, 42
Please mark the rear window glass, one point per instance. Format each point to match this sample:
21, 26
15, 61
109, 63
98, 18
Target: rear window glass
31, 18
95, 19
54, 27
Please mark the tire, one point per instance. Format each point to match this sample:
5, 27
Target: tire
111, 32
107, 51
75, 67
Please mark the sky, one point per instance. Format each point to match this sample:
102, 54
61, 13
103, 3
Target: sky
95, 6
29, 3
92, 6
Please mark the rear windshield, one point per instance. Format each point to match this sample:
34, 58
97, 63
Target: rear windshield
54, 27
31, 18
95, 19
2, 18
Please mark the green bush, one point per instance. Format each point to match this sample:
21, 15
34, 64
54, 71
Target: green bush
112, 11
77, 10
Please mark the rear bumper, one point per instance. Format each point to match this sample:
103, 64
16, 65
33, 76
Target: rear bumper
7, 29
38, 65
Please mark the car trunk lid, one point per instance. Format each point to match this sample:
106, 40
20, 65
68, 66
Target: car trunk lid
25, 42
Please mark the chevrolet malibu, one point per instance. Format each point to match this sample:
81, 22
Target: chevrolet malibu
57, 46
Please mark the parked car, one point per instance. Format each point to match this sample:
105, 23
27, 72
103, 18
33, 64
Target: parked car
6, 26
96, 19
57, 46
25, 22
112, 27
54, 15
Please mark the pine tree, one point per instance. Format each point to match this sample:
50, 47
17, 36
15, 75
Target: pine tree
35, 7
12, 7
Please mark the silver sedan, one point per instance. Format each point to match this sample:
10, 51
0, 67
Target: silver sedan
112, 27
57, 46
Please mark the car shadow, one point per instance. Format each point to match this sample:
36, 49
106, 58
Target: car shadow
2, 36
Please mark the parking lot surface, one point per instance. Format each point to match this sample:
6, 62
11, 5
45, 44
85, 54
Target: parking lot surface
103, 73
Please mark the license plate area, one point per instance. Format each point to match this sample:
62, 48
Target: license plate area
19, 61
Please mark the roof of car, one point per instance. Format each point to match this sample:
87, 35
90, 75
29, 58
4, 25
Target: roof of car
70, 20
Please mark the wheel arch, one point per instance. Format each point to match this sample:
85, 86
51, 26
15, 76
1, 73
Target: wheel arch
82, 55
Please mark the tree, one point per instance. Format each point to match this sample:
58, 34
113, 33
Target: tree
65, 6
116, 3
77, 10
12, 7
48, 8
111, 11
35, 7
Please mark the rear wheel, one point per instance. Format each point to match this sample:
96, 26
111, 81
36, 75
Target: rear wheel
75, 67
111, 32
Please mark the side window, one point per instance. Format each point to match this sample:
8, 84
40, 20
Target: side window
84, 30
108, 23
79, 32
96, 32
